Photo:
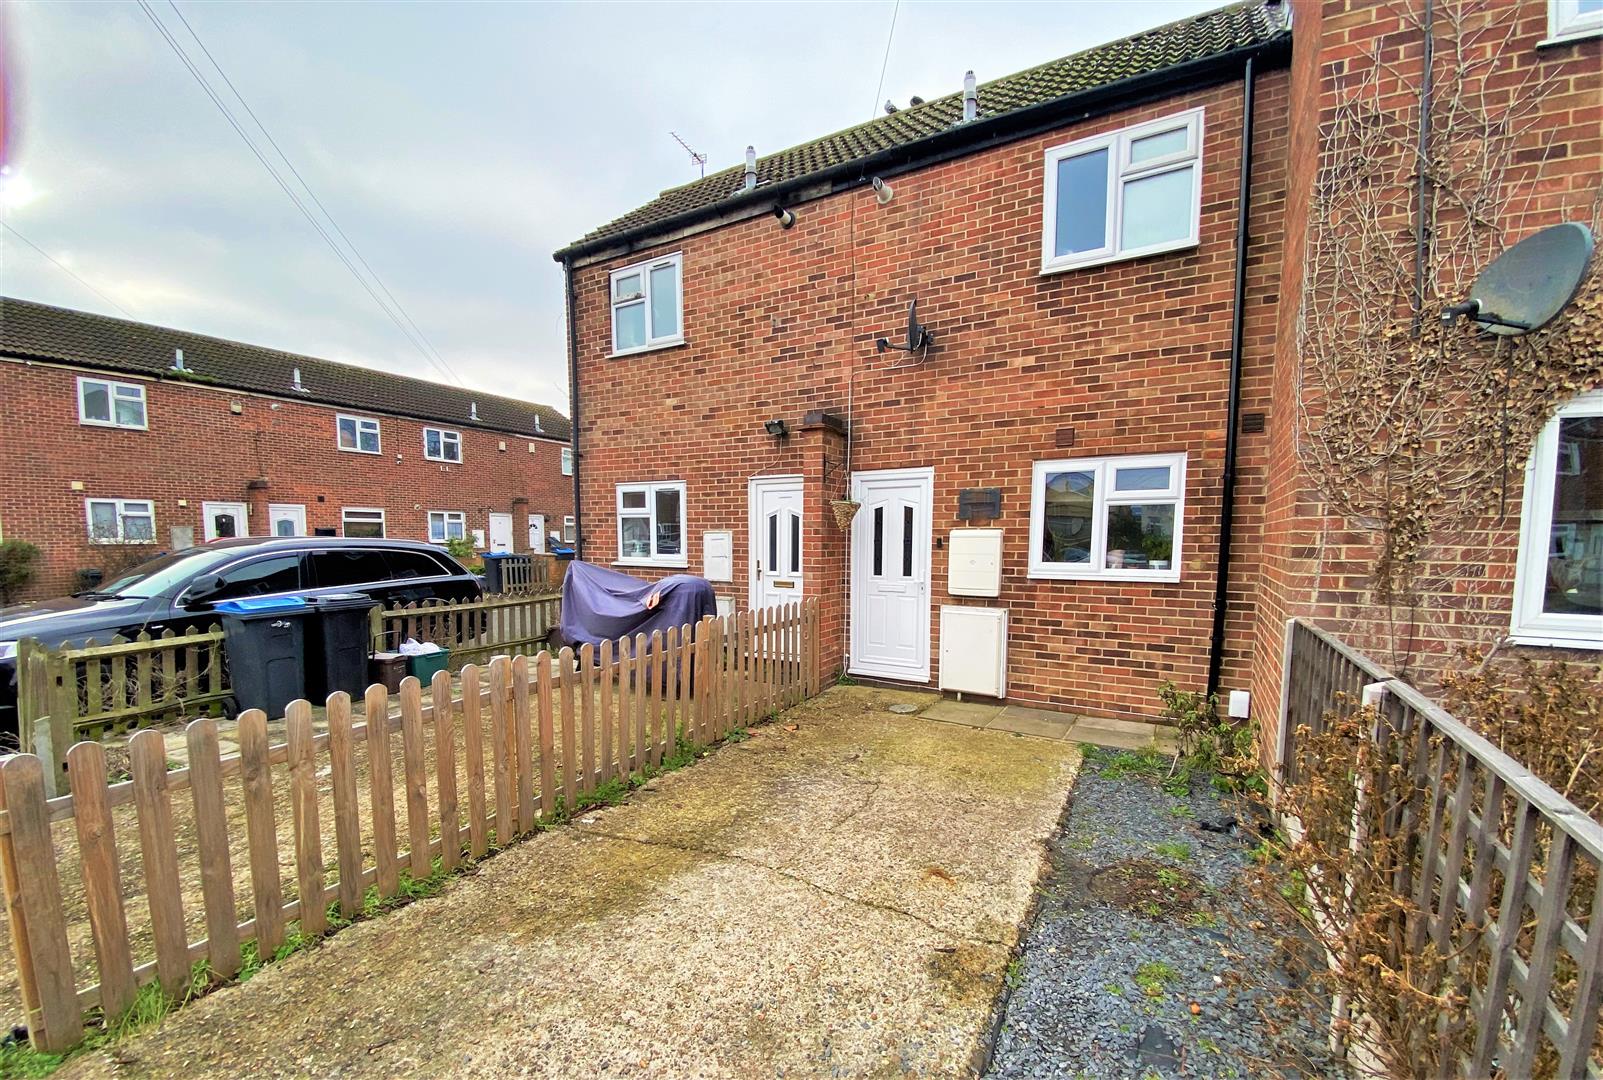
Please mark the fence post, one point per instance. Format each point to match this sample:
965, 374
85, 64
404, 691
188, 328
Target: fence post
33, 905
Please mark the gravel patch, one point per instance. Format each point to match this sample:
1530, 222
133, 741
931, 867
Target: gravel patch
1143, 959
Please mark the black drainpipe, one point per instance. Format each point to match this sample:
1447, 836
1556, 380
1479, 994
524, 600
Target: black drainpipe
1227, 503
573, 405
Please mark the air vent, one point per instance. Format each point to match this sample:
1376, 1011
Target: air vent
1252, 423
1064, 436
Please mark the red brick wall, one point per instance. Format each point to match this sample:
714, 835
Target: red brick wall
1133, 356
1317, 565
197, 450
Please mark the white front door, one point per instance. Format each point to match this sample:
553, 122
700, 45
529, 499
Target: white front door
286, 519
891, 574
776, 541
500, 532
537, 534
223, 519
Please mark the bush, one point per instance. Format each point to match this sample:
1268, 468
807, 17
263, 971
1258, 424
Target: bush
1207, 743
17, 559
460, 548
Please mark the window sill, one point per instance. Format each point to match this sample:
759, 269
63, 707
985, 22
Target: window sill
443, 460
121, 543
1557, 641
1062, 266
1038, 573
1571, 37
665, 343
354, 450
663, 564
107, 425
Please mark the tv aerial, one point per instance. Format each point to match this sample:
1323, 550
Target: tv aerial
1527, 286
919, 339
699, 160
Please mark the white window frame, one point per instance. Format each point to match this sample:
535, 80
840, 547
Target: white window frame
1103, 469
448, 437
122, 506
345, 520
1566, 22
568, 527
663, 341
446, 518
682, 559
360, 422
1531, 625
567, 461
112, 387
1121, 173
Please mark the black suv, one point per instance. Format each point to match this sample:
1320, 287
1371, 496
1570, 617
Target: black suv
179, 589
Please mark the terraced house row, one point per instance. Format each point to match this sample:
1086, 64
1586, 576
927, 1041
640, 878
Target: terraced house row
1071, 471
130, 439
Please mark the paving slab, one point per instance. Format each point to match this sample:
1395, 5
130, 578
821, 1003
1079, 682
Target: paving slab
1038, 722
839, 894
972, 713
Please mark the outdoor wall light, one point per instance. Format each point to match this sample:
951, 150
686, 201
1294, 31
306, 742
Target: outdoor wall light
776, 428
786, 218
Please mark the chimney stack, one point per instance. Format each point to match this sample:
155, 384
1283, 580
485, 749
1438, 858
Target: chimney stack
971, 98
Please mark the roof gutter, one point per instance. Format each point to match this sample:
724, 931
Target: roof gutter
573, 405
1227, 501
957, 141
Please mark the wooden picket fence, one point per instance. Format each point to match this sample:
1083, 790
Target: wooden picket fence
471, 629
524, 738
105, 689
532, 573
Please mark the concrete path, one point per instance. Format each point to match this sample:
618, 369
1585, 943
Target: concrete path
837, 895
1046, 724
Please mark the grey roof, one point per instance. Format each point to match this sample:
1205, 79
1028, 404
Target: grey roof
1241, 26
42, 332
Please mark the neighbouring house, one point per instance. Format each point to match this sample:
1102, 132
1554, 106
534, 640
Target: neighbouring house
130, 439
1084, 480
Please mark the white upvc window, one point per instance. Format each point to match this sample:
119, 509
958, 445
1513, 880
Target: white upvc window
357, 434
1124, 194
364, 522
103, 403
447, 525
1558, 582
567, 461
1114, 518
1569, 19
440, 444
121, 521
651, 524
648, 305
568, 530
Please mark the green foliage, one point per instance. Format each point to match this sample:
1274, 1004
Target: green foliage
1154, 977
1170, 878
17, 558
1147, 762
1173, 849
459, 548
1209, 745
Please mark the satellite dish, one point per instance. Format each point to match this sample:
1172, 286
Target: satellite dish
918, 337
1526, 287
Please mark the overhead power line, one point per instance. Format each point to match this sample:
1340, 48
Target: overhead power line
886, 62
65, 269
397, 313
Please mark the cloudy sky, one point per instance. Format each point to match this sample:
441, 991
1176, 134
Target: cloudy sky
457, 145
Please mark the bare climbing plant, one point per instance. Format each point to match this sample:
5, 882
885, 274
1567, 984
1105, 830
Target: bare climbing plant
1412, 430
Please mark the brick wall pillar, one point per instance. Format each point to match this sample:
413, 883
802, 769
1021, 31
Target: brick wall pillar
257, 522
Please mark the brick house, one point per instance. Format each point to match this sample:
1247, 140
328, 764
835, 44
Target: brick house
1100, 248
130, 439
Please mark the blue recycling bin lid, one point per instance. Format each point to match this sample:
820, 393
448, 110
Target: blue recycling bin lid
496, 555
262, 605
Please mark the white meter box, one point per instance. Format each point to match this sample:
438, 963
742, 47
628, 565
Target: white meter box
974, 650
974, 565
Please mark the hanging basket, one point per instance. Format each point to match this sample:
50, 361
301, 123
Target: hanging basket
845, 510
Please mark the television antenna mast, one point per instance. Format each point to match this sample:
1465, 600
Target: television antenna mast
699, 160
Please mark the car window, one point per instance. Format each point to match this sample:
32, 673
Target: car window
279, 574
349, 566
412, 564
165, 572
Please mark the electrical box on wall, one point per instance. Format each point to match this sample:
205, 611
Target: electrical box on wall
974, 567
717, 556
974, 650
